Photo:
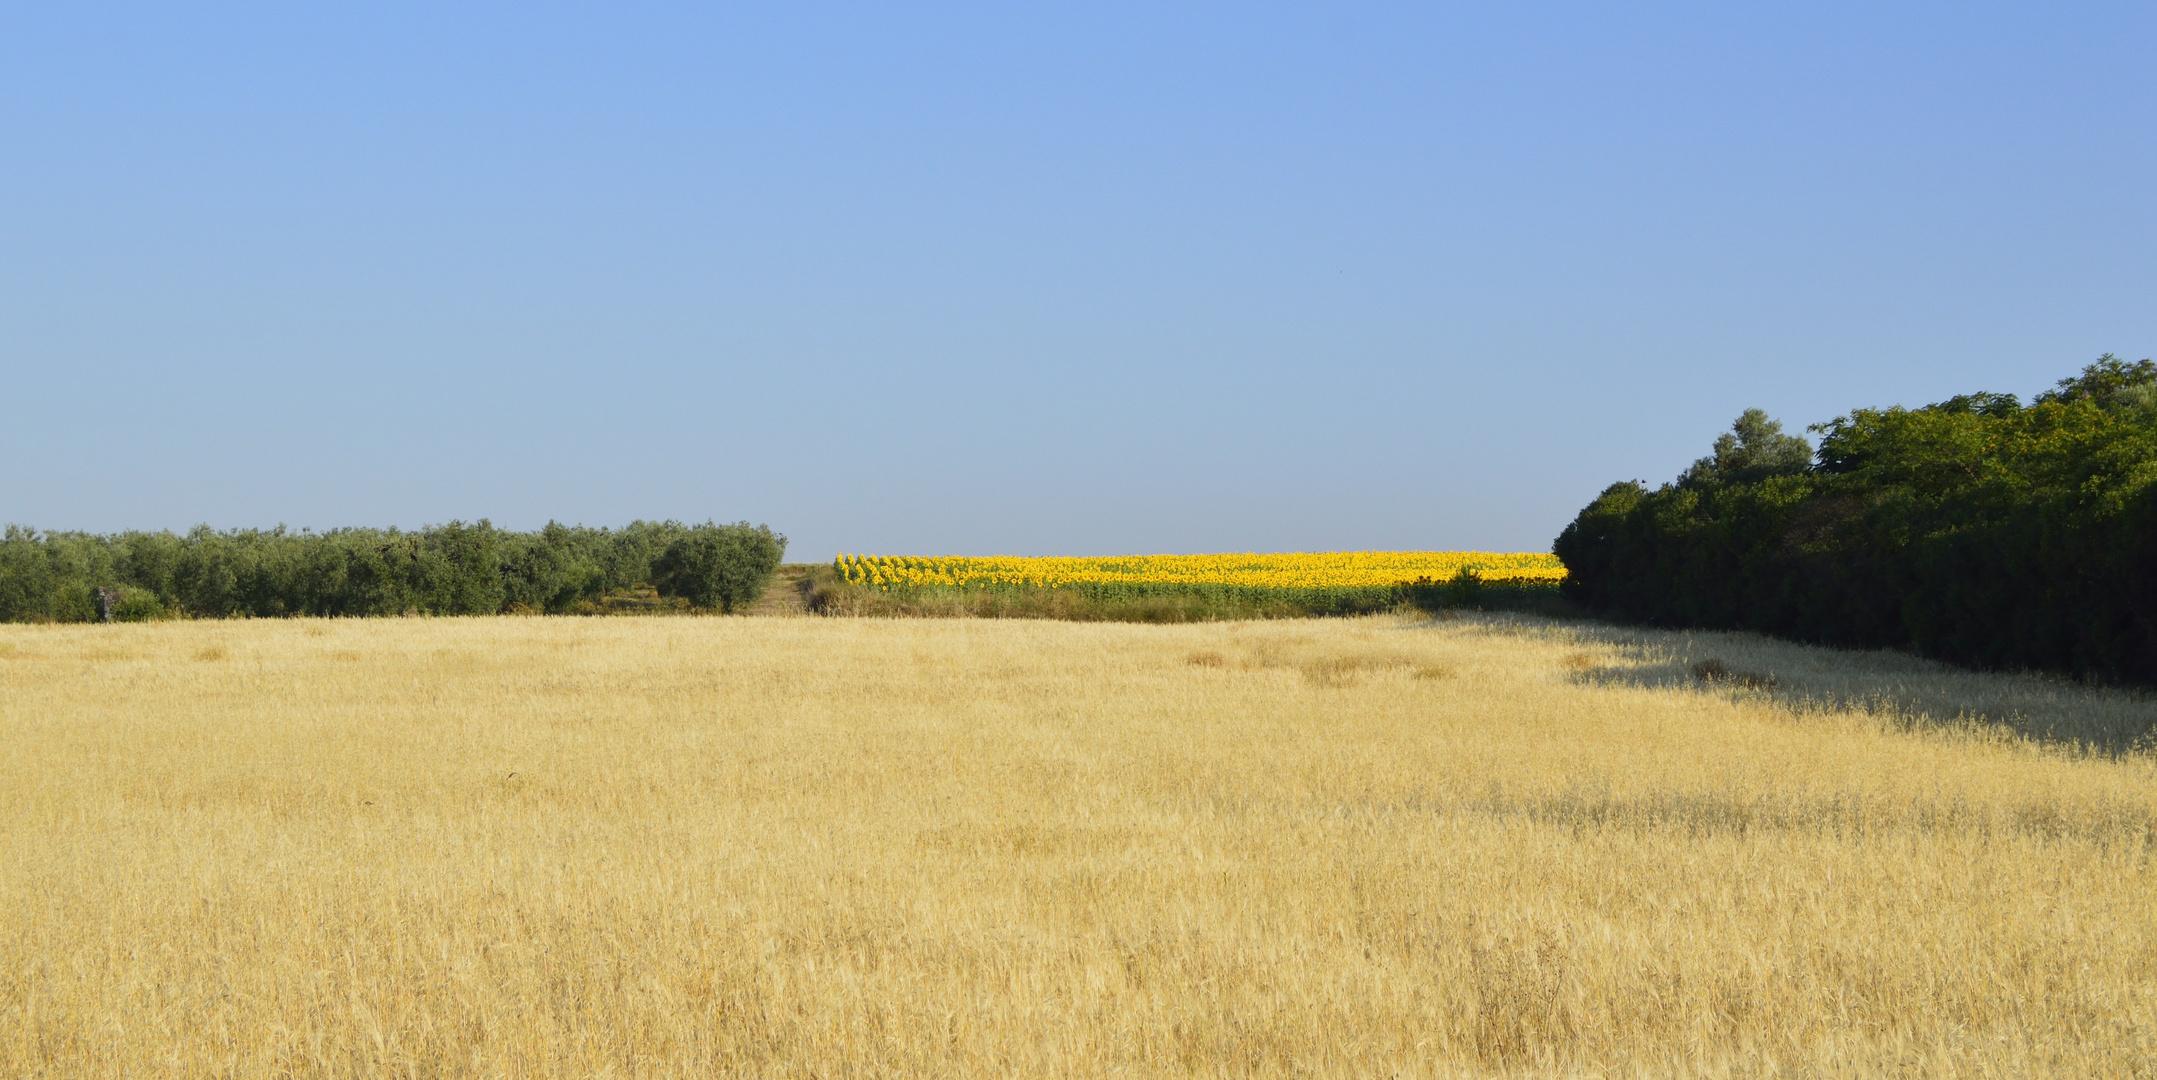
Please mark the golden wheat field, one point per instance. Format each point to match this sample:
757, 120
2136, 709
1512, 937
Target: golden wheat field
802, 847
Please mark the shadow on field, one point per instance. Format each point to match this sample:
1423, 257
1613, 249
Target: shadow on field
1699, 815
1904, 689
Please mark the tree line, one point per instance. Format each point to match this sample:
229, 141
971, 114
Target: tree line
453, 569
1979, 530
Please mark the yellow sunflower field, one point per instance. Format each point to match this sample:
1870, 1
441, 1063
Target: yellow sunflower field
1301, 570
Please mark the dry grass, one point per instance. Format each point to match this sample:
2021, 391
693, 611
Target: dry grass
828, 847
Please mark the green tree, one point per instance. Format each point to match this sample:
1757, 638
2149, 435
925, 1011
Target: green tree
2103, 379
1976, 529
1754, 449
719, 566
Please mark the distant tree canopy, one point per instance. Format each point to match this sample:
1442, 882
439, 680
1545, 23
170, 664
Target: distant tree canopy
453, 569
1978, 529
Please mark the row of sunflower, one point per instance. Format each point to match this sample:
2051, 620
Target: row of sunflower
1303, 570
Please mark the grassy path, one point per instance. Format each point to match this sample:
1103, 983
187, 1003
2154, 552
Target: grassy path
784, 596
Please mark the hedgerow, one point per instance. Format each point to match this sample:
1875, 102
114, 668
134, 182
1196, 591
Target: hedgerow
1977, 530
453, 569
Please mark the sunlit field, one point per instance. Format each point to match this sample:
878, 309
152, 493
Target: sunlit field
1302, 570
861, 847
1187, 588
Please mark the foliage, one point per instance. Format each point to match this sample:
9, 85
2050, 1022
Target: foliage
1977, 530
1754, 448
719, 566
453, 569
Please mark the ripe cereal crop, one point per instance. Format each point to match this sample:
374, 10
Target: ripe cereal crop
1490, 845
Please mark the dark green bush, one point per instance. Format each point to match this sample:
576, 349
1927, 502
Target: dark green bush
1977, 530
719, 566
451, 569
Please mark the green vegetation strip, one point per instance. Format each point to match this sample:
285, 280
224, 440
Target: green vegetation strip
1977, 530
453, 569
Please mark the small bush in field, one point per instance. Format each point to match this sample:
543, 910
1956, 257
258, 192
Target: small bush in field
136, 605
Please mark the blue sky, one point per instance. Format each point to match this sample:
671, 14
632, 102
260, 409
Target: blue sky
998, 279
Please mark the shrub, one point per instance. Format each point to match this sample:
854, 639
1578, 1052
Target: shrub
136, 605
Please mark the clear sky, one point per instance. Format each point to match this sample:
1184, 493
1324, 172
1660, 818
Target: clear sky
1095, 279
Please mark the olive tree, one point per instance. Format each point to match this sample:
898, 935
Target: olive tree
719, 566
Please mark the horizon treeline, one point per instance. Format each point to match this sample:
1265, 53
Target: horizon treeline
452, 569
1977, 530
